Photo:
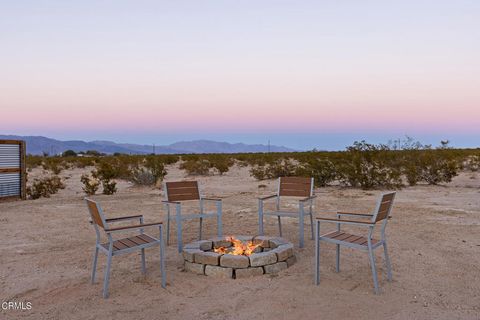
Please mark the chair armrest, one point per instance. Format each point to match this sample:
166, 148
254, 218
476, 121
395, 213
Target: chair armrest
170, 202
353, 222
340, 213
268, 197
137, 226
307, 198
124, 218
210, 199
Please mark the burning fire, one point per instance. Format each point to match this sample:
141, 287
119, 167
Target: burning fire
238, 247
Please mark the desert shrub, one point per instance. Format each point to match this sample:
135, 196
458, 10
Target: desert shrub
370, 166
109, 186
69, 153
157, 167
144, 177
106, 172
323, 171
436, 167
54, 164
45, 187
220, 162
280, 168
90, 184
472, 163
196, 167
33, 161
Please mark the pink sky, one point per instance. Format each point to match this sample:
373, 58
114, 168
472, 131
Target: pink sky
218, 66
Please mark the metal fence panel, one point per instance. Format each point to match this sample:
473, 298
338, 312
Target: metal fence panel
11, 169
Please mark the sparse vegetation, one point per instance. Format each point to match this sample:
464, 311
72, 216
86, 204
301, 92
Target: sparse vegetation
361, 165
45, 187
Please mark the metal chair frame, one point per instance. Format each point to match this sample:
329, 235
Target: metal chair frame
371, 244
179, 216
100, 222
309, 201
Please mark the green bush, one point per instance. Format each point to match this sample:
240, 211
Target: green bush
323, 171
370, 166
280, 168
45, 187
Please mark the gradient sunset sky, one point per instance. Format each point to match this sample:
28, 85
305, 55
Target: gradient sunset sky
303, 74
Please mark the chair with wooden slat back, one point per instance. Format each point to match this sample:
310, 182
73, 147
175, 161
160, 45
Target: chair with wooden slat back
366, 242
290, 187
115, 247
178, 192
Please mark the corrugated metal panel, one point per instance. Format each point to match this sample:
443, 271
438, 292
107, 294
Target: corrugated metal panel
10, 183
9, 156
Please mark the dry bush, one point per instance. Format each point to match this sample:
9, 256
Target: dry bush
45, 187
90, 184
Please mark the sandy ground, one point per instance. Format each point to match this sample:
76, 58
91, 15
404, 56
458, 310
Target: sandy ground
46, 249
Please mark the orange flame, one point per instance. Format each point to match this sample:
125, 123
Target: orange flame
238, 247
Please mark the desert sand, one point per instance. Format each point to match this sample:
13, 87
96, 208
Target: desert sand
47, 247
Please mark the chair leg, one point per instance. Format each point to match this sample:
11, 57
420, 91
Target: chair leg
200, 229
95, 258
317, 254
144, 267
162, 259
168, 227
387, 262
338, 259
179, 235
219, 219
301, 226
311, 223
374, 269
260, 217
107, 275
279, 226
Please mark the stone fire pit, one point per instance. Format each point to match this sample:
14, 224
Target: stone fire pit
268, 255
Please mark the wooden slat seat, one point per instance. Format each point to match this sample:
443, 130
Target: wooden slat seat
131, 242
339, 236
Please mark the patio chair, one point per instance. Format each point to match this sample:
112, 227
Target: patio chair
294, 187
366, 243
112, 248
175, 194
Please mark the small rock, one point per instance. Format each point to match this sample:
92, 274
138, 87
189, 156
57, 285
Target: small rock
211, 258
283, 251
201, 244
249, 272
194, 267
221, 242
233, 261
291, 261
219, 272
275, 242
263, 241
261, 259
275, 268
188, 254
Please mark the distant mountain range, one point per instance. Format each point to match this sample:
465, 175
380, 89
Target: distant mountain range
39, 145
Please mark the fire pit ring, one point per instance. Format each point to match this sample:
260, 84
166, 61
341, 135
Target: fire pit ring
238, 257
